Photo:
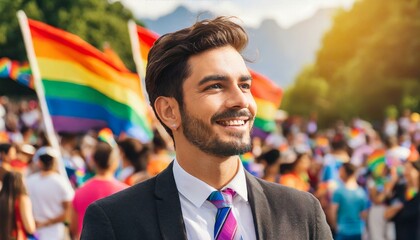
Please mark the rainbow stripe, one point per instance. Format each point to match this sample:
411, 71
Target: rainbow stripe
146, 40
268, 98
106, 135
5, 65
84, 88
20, 72
376, 164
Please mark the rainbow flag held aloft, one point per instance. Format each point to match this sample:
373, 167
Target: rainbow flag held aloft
106, 135
84, 88
376, 164
268, 97
20, 72
5, 65
146, 39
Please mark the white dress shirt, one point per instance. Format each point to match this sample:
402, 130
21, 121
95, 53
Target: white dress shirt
199, 214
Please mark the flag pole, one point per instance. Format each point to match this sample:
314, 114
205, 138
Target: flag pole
39, 89
136, 49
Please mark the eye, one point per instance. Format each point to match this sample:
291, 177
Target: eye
214, 86
245, 86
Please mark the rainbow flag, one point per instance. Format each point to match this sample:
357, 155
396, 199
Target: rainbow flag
268, 98
5, 65
106, 135
376, 164
146, 39
20, 72
84, 88
110, 53
24, 75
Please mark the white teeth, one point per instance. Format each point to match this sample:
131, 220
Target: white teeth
233, 123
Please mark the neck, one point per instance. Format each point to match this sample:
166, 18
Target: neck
47, 172
351, 183
215, 171
412, 184
104, 175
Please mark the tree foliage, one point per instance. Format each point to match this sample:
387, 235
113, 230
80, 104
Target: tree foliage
369, 61
96, 21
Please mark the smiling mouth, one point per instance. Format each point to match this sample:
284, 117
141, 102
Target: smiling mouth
232, 122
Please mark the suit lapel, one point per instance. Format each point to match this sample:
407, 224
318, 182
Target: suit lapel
260, 208
168, 205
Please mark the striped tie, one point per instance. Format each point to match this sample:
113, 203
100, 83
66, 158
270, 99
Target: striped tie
225, 226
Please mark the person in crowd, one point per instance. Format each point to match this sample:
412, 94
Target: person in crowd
103, 184
17, 221
134, 158
7, 154
396, 155
349, 206
330, 178
72, 160
294, 173
379, 189
403, 205
13, 128
199, 87
161, 157
271, 162
142, 174
51, 195
87, 148
23, 158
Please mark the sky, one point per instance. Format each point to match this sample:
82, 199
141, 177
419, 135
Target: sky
251, 12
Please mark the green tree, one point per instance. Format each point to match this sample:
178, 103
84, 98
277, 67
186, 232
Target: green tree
369, 61
307, 94
96, 21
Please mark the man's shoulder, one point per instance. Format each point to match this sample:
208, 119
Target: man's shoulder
276, 188
281, 195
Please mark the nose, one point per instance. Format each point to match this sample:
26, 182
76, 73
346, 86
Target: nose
237, 98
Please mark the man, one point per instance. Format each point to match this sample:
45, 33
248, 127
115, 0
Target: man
51, 196
349, 205
199, 87
105, 159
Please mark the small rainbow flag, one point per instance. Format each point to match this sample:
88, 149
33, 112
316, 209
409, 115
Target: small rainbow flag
376, 163
20, 72
5, 65
106, 135
268, 98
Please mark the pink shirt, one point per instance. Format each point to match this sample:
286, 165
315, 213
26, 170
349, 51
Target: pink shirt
93, 190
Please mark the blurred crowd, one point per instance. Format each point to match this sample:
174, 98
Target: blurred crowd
366, 177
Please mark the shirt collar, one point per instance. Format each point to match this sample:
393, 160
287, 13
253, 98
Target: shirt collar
197, 191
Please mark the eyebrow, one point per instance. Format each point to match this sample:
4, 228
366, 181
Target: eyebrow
222, 78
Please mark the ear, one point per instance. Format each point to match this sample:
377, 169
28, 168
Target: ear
167, 110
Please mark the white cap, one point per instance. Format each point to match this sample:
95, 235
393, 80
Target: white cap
45, 151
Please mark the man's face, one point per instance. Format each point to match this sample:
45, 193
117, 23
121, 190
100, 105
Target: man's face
219, 109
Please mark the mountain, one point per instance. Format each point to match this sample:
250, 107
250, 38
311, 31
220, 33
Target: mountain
275, 52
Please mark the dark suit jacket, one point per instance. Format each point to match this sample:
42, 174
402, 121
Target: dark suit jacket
152, 210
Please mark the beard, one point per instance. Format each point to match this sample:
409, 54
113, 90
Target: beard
201, 135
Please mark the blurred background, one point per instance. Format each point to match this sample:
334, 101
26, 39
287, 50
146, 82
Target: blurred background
339, 59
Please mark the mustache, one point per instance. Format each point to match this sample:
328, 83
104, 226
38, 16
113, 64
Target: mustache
232, 114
